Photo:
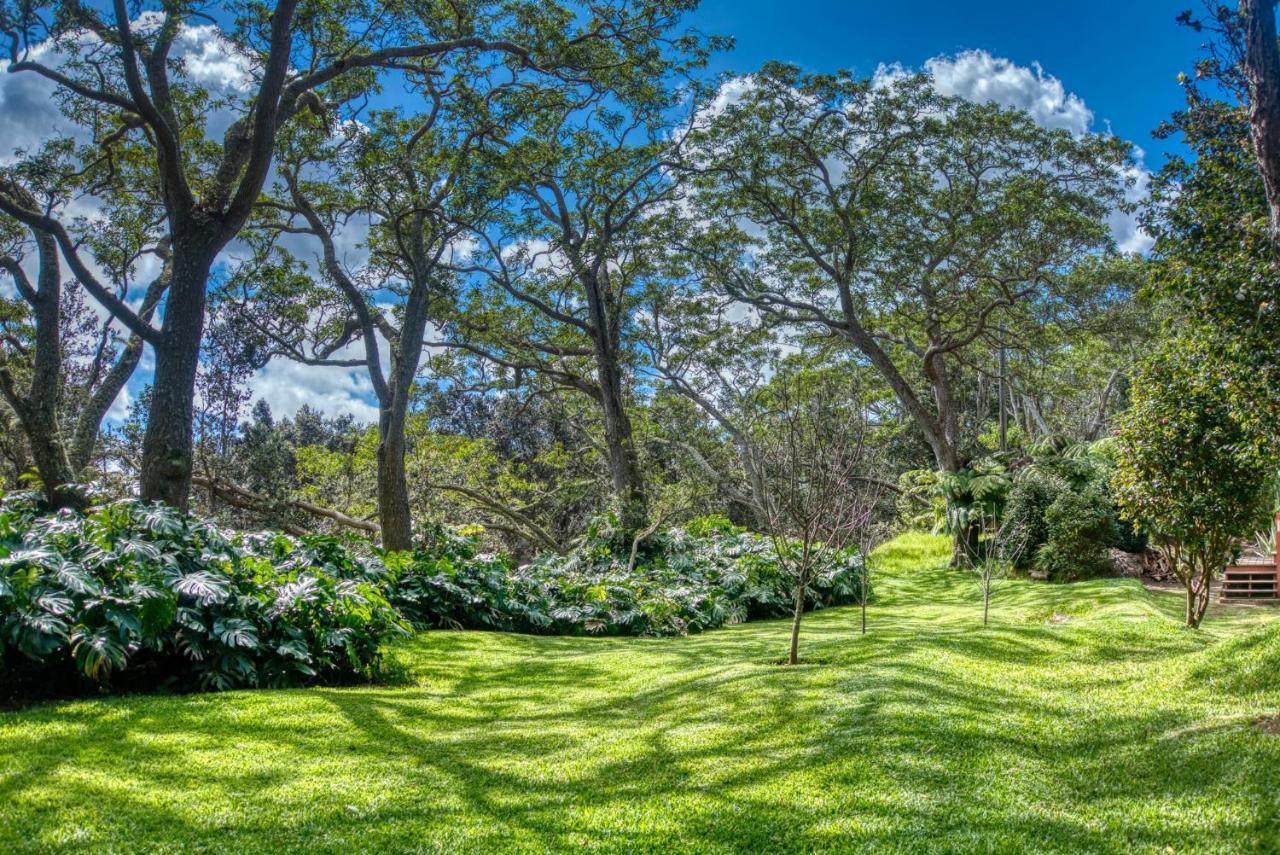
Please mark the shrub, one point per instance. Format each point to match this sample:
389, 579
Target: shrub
1026, 529
1079, 527
141, 596
685, 580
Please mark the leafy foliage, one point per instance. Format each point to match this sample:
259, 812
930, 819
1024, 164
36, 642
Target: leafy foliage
974, 493
138, 595
1192, 470
689, 579
1079, 526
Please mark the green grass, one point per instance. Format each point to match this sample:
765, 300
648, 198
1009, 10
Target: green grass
1114, 730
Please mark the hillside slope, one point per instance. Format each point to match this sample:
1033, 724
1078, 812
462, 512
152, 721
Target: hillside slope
1083, 719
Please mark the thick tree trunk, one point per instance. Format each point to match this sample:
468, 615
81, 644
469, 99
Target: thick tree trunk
37, 409
167, 442
624, 463
1262, 75
394, 516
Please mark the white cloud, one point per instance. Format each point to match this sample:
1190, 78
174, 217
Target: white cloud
977, 76
119, 409
287, 385
28, 113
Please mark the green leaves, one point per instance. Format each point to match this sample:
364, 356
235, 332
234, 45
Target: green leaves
204, 587
685, 580
112, 593
236, 632
1192, 469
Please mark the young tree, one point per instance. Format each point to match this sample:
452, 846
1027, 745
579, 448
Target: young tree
1191, 472
818, 504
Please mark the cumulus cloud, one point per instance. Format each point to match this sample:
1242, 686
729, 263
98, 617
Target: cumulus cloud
977, 76
287, 385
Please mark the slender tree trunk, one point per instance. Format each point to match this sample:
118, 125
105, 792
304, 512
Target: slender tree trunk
89, 422
167, 443
793, 654
865, 592
986, 599
1191, 601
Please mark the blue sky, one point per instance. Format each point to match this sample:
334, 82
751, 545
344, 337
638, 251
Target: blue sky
1120, 57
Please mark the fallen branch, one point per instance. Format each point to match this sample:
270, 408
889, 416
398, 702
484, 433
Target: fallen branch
239, 497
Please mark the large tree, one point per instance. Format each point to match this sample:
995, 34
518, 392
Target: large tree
915, 227
564, 269
122, 82
404, 176
61, 366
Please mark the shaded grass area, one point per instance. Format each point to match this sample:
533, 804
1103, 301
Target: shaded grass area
1083, 719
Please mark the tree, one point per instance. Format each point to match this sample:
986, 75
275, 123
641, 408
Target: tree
818, 504
701, 352
124, 85
914, 227
404, 175
57, 392
566, 267
1191, 473
1261, 70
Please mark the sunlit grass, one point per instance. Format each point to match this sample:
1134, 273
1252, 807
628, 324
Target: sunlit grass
1083, 719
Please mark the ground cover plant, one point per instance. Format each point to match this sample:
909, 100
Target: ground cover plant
702, 575
146, 597
1084, 718
138, 596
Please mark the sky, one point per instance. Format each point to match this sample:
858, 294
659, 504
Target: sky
1083, 66
1121, 57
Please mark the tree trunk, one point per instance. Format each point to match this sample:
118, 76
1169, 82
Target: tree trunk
167, 443
100, 400
1262, 76
37, 409
89, 422
393, 486
986, 600
1191, 603
606, 341
793, 654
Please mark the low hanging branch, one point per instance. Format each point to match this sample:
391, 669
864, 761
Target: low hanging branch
524, 525
247, 500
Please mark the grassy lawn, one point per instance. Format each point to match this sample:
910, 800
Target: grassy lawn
1082, 719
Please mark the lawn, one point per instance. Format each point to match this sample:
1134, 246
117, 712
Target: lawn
1083, 719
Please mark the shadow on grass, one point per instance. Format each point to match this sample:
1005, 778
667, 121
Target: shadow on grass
931, 732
